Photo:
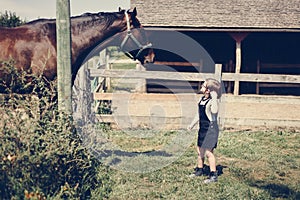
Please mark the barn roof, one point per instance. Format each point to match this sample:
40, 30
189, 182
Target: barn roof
219, 14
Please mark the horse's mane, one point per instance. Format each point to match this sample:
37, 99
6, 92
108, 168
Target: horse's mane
42, 20
105, 18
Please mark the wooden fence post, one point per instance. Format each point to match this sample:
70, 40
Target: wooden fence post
108, 66
63, 35
200, 70
218, 76
218, 72
258, 71
85, 95
141, 84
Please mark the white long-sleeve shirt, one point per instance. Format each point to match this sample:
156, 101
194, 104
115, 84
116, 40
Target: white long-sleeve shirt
212, 107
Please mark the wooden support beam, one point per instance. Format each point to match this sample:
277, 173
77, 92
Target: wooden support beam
238, 37
63, 35
238, 61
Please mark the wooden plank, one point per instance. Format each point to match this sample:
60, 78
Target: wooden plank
269, 85
268, 123
170, 83
183, 76
171, 90
228, 122
283, 66
105, 118
251, 77
146, 96
153, 122
123, 61
121, 81
265, 99
186, 76
184, 64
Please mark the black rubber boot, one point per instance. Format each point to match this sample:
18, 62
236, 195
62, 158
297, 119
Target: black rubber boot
198, 172
213, 177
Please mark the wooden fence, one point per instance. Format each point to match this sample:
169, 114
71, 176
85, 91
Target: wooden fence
265, 68
174, 111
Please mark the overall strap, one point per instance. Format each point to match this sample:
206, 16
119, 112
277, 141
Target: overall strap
207, 100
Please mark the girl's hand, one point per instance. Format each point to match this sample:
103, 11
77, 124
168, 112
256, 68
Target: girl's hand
214, 102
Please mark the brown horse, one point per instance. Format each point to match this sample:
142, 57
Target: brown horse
33, 46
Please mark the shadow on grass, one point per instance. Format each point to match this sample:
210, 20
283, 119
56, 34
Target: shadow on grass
120, 153
276, 190
220, 168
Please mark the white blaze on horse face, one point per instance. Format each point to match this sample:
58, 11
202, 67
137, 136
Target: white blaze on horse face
150, 57
136, 40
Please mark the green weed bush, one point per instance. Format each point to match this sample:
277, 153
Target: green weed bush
41, 155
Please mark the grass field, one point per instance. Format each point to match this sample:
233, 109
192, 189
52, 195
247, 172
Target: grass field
252, 165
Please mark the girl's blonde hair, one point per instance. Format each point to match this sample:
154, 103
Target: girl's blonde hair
214, 85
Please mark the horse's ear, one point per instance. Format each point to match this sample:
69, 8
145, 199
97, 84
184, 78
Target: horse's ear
134, 12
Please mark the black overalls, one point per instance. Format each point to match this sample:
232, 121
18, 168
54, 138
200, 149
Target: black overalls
208, 134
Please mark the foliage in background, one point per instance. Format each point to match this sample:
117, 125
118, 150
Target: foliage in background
10, 19
115, 53
41, 155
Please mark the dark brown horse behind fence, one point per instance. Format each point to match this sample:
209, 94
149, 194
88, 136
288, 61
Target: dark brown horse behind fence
33, 45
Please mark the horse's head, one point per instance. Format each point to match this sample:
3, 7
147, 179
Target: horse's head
135, 43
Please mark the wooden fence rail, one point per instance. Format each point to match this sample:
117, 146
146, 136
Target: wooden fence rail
176, 108
252, 77
185, 76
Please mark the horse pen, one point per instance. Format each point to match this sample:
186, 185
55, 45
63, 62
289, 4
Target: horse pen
134, 107
258, 147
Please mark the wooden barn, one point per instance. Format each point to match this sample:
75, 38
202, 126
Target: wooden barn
254, 44
250, 36
244, 36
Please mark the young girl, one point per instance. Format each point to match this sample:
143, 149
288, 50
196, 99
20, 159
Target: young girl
208, 132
